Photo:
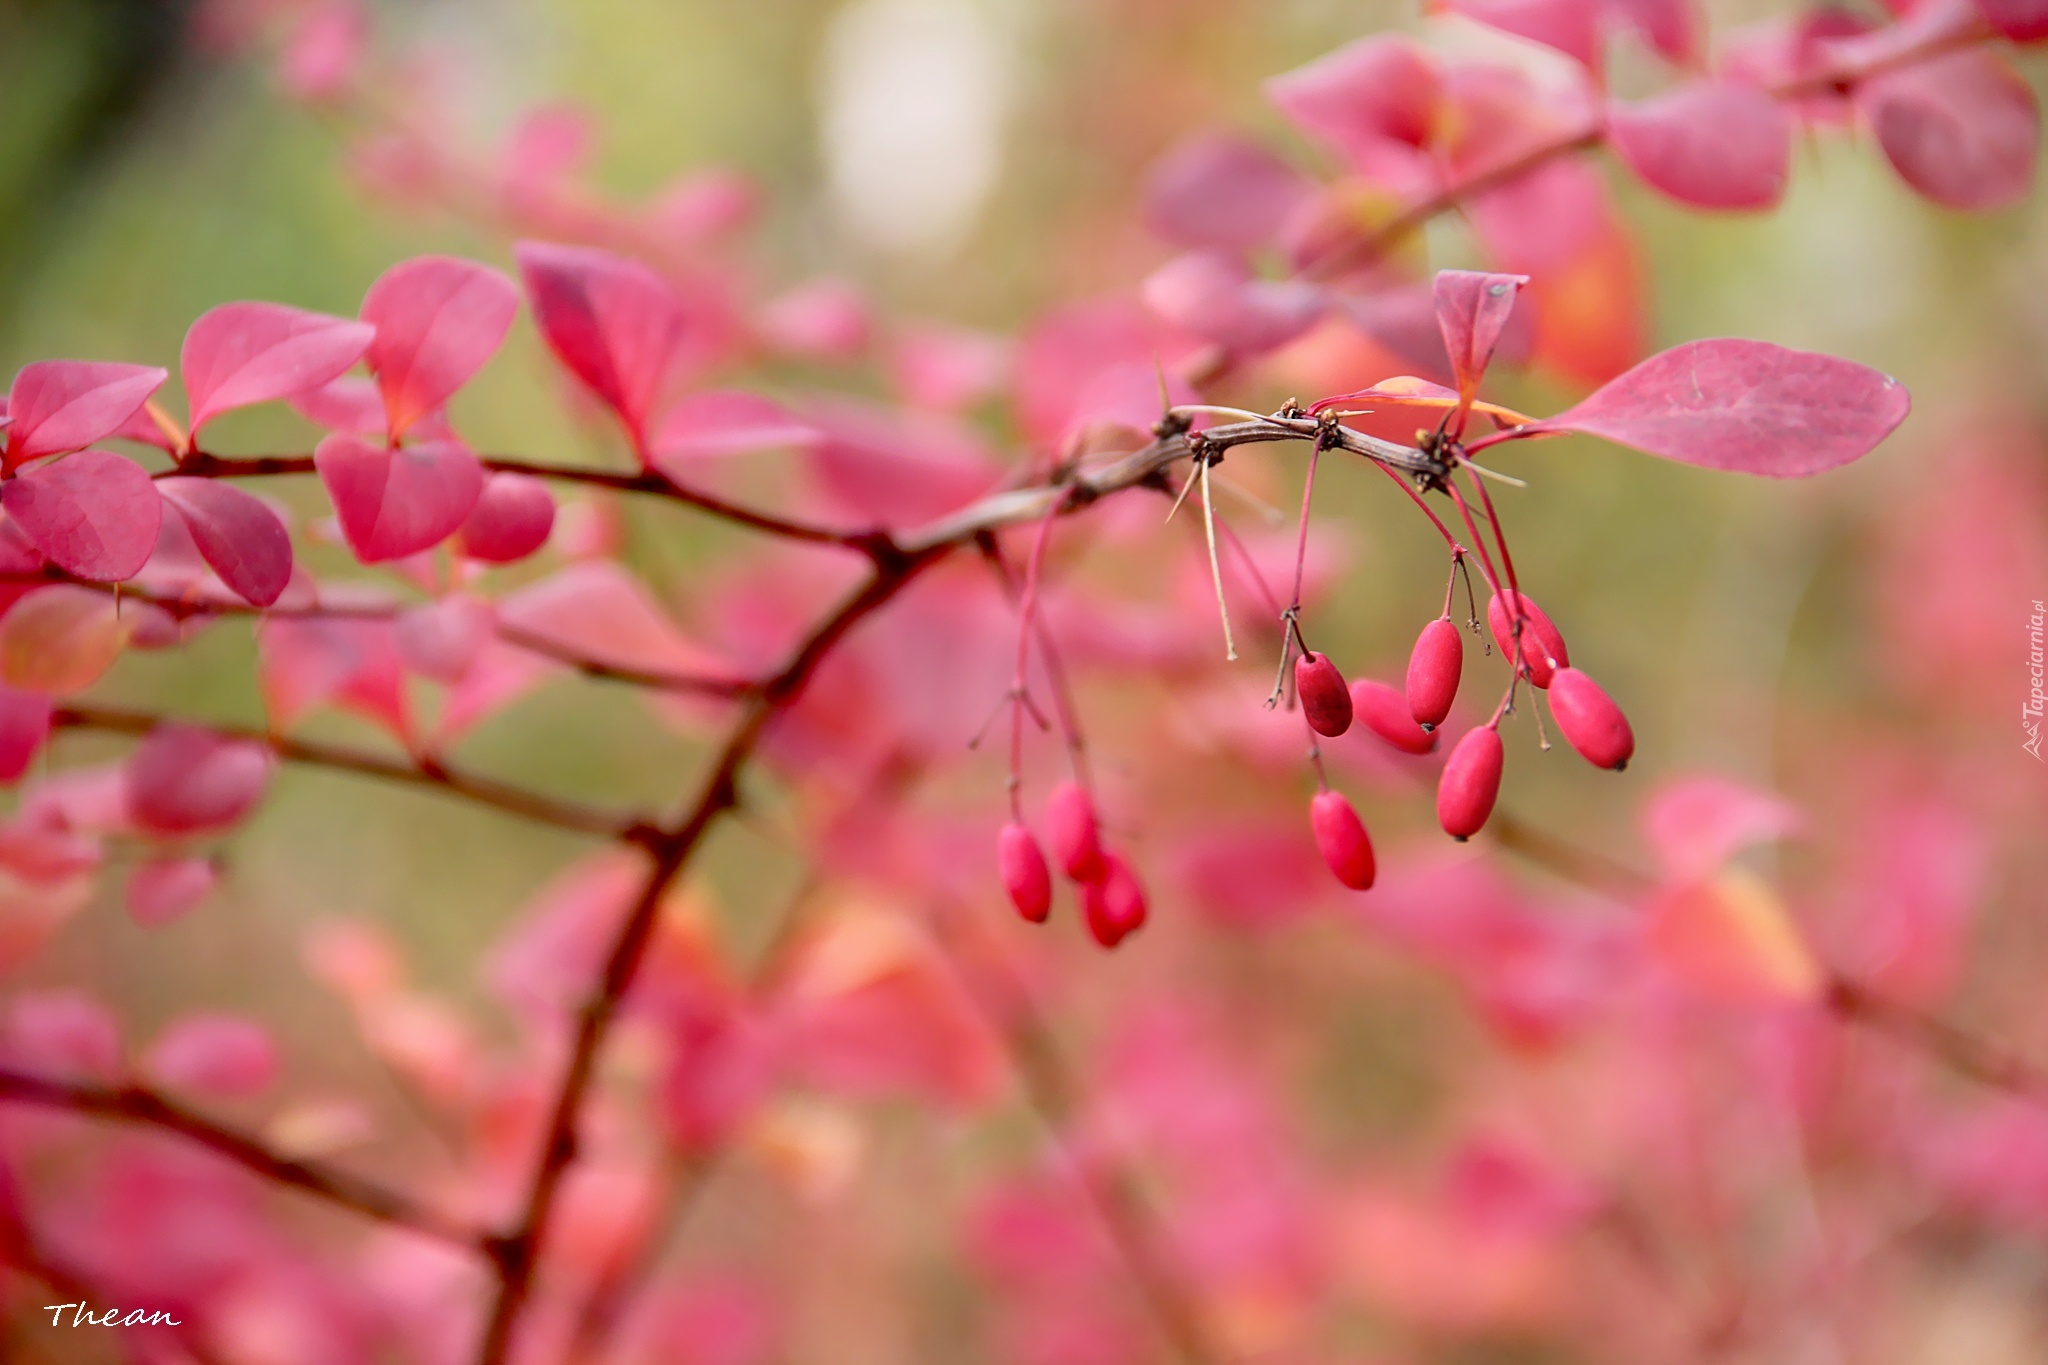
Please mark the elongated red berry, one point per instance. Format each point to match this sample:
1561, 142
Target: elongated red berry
1341, 836
1025, 875
1434, 666
1324, 699
1590, 720
1385, 713
1541, 642
1076, 839
1114, 904
1471, 781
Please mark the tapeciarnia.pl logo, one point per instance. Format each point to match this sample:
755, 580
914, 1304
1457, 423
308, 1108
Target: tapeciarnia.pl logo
2037, 701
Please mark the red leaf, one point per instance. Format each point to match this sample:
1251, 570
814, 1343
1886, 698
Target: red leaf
244, 353
513, 517
1472, 309
438, 319
1746, 406
305, 664
1712, 144
614, 322
393, 503
94, 514
1960, 129
600, 611
24, 725
59, 639
213, 1054
2023, 21
240, 538
1222, 191
60, 405
186, 780
1568, 26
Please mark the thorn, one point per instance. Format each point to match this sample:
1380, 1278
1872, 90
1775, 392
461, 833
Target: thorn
1215, 568
1181, 497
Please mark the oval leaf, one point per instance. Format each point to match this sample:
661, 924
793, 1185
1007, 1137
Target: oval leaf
24, 725
1746, 406
59, 639
513, 517
393, 503
220, 1055
164, 889
613, 322
1960, 129
60, 405
93, 514
1713, 144
238, 536
2023, 21
244, 353
438, 319
183, 779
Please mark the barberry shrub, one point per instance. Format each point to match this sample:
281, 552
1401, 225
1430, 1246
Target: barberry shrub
904, 611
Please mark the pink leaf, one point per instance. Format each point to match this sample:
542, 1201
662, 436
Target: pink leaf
393, 503
1746, 406
513, 517
438, 319
1375, 101
240, 538
61, 405
600, 611
64, 1033
24, 725
1214, 294
165, 889
305, 664
1222, 191
723, 422
1472, 309
441, 640
1960, 129
59, 639
1569, 26
2023, 21
613, 322
186, 780
1712, 144
1696, 824
222, 1055
821, 320
244, 353
93, 514
1671, 26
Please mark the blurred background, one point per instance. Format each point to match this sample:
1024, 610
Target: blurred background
974, 162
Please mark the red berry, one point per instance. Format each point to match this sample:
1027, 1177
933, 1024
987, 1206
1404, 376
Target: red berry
1541, 642
1341, 836
1433, 669
1114, 904
1471, 780
1590, 720
1324, 699
1385, 713
1025, 875
1070, 824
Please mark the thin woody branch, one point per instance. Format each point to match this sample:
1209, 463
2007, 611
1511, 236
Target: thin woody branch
135, 1104
426, 774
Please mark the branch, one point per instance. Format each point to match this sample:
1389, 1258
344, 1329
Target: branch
202, 465
1988, 1063
1966, 29
134, 1104
428, 774
517, 1253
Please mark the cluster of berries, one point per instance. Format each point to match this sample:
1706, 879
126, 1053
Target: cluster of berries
1112, 897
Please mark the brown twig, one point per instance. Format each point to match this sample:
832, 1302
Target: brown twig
426, 774
135, 1104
